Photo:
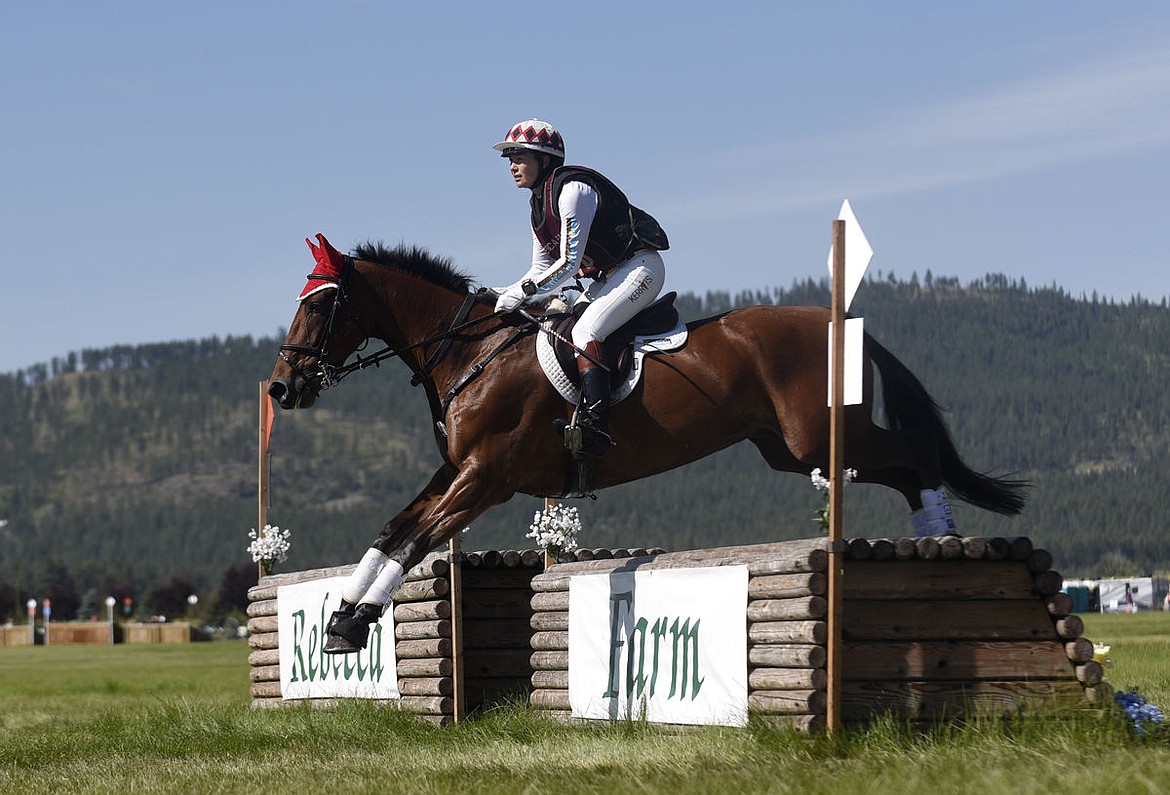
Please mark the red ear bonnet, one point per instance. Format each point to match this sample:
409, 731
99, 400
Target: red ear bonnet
327, 271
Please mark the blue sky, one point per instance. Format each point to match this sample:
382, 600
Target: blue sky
162, 163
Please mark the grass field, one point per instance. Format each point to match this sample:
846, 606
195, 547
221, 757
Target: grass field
142, 719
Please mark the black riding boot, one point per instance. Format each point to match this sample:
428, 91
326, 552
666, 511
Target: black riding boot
595, 439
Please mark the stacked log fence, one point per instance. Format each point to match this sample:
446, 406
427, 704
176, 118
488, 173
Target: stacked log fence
932, 628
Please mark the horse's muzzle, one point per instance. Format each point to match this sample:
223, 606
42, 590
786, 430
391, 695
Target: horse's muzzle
288, 395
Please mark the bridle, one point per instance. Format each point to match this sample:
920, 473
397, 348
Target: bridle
328, 375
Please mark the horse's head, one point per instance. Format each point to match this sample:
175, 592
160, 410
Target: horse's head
325, 330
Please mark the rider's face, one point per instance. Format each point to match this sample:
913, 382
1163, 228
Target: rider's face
525, 167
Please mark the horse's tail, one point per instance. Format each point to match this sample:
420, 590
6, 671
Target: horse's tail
908, 405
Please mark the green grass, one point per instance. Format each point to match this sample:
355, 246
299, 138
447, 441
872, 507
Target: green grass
145, 719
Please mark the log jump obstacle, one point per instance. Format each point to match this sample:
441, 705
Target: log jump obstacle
933, 628
462, 631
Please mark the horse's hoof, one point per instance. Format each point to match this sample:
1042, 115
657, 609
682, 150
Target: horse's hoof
336, 645
350, 632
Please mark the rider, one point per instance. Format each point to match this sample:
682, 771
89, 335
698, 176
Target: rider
583, 226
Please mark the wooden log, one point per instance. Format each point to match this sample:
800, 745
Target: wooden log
422, 611
881, 549
418, 630
264, 607
496, 663
1040, 560
264, 640
497, 579
1021, 549
264, 657
974, 619
950, 548
532, 558
788, 632
602, 553
424, 667
1100, 693
428, 686
1089, 673
510, 558
1069, 627
422, 590
1049, 582
557, 660
785, 586
809, 724
997, 548
428, 705
779, 702
501, 604
862, 700
857, 549
550, 641
498, 634
927, 548
262, 624
266, 587
798, 609
905, 549
545, 622
549, 601
266, 689
974, 547
549, 699
419, 649
1059, 604
1080, 650
781, 557
773, 679
968, 660
789, 655
550, 680
265, 673
938, 579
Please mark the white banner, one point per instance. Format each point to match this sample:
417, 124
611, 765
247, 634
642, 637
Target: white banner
306, 671
666, 645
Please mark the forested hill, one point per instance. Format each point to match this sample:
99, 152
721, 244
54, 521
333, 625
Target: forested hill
136, 464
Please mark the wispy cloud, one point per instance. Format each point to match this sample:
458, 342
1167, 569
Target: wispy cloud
1108, 107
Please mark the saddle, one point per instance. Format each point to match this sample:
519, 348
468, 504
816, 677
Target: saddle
656, 328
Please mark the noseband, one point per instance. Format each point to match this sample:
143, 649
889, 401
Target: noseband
326, 375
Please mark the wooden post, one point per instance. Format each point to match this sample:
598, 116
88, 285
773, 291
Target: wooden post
262, 446
836, 486
549, 560
456, 596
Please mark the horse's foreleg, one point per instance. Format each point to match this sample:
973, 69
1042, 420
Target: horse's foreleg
371, 585
452, 500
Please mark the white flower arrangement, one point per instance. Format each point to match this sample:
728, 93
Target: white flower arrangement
270, 546
555, 529
821, 483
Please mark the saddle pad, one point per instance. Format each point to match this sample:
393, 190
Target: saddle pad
547, 356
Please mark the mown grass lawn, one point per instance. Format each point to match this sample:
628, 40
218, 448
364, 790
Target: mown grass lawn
80, 719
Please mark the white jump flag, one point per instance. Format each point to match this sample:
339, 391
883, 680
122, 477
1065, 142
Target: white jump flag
858, 253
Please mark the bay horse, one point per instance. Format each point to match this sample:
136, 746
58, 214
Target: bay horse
758, 374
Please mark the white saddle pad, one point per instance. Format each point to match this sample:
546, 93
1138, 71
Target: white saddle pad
547, 356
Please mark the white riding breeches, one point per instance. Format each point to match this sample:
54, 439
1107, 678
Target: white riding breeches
628, 289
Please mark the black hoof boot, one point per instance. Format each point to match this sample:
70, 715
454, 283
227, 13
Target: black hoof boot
350, 632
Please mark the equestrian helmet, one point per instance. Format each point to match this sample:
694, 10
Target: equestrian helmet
534, 134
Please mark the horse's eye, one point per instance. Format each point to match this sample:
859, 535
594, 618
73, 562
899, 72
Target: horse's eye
315, 308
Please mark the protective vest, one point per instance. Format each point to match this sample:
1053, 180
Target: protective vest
618, 230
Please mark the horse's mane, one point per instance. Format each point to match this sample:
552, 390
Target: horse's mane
416, 261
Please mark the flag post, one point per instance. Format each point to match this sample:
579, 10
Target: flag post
836, 485
266, 418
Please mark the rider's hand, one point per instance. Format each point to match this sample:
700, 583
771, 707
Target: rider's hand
510, 299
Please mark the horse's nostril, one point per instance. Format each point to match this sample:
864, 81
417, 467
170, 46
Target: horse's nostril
277, 391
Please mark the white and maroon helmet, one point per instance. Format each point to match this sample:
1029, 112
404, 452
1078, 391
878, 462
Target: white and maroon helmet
533, 134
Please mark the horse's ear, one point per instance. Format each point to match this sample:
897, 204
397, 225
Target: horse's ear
330, 261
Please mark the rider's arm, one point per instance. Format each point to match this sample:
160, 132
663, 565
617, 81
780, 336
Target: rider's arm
577, 206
